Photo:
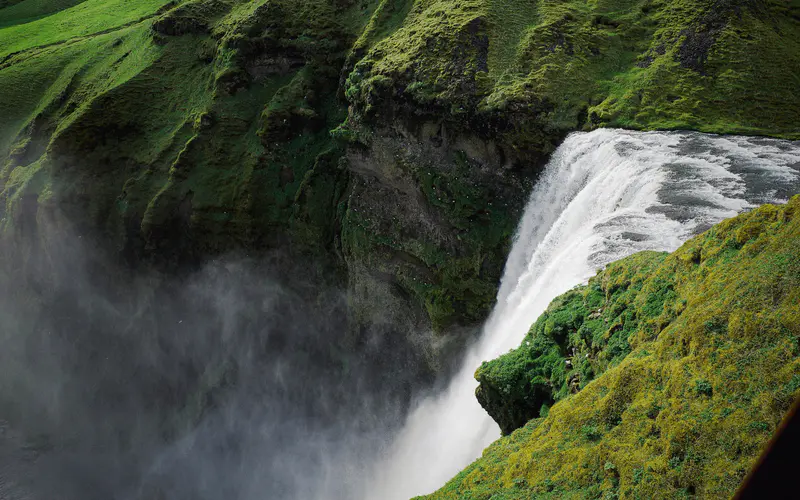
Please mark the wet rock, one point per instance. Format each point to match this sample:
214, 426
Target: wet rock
512, 406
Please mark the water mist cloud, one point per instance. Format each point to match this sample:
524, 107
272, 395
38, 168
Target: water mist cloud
225, 383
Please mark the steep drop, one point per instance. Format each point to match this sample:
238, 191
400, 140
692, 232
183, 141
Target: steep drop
604, 195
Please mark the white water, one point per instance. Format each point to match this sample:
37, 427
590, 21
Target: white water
604, 195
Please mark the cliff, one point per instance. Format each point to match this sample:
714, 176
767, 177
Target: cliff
664, 377
389, 142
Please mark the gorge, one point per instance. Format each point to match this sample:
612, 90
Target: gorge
271, 248
604, 195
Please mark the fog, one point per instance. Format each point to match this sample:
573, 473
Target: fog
240, 380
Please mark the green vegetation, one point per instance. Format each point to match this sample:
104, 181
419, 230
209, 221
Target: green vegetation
177, 129
581, 335
17, 11
681, 367
709, 65
521, 75
25, 26
180, 129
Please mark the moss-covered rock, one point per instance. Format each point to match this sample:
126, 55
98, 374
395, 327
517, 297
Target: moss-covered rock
530, 70
683, 366
582, 333
500, 83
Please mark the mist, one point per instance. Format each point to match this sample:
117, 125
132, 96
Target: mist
230, 381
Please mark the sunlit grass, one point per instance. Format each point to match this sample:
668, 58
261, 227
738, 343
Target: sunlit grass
85, 18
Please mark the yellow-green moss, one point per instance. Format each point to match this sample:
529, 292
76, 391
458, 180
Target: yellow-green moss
712, 369
582, 333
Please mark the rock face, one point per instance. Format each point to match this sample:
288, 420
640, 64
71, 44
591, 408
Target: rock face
444, 248
685, 366
391, 143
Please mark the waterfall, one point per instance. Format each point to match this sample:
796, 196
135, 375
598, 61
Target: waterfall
283, 427
604, 195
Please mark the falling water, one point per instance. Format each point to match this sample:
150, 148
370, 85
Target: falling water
604, 195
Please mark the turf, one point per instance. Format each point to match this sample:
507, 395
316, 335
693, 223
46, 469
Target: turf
30, 10
80, 20
120, 111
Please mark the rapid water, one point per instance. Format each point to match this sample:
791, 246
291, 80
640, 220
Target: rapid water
604, 195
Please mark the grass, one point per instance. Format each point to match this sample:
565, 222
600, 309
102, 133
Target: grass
708, 65
686, 365
510, 23
121, 111
90, 68
83, 19
30, 10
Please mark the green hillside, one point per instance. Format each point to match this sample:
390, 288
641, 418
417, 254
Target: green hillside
122, 112
387, 148
681, 368
715, 66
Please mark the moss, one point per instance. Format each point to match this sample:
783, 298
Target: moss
640, 64
521, 75
580, 336
708, 368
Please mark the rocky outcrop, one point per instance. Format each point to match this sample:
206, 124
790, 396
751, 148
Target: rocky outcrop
581, 335
430, 216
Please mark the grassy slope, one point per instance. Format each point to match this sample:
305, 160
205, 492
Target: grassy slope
83, 19
123, 121
709, 65
696, 361
28, 10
